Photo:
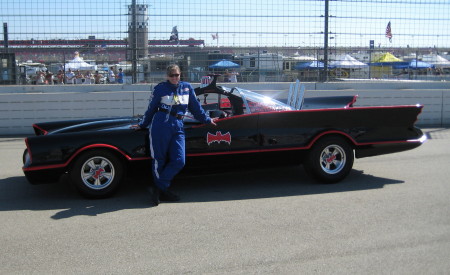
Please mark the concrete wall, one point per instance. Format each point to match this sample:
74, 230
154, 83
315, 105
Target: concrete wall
21, 106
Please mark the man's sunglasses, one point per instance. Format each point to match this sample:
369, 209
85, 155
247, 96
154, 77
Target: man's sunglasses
174, 75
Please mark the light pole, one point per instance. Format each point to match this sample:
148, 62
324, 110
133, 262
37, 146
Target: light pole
324, 77
134, 50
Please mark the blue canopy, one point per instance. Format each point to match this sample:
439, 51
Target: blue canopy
310, 65
224, 64
414, 64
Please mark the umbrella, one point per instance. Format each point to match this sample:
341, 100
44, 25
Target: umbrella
224, 64
441, 62
414, 64
347, 62
310, 65
437, 61
387, 59
78, 64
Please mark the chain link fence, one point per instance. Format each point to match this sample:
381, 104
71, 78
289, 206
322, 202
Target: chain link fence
132, 41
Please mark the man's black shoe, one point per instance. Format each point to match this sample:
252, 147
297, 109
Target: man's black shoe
168, 196
155, 193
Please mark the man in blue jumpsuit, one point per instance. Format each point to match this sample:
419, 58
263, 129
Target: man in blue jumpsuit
164, 118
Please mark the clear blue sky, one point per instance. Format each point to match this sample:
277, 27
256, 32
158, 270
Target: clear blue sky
423, 23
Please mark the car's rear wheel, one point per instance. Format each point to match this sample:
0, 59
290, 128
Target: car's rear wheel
97, 174
330, 159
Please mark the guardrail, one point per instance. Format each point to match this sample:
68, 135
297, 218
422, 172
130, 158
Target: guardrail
21, 106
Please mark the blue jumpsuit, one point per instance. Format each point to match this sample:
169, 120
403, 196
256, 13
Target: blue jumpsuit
163, 117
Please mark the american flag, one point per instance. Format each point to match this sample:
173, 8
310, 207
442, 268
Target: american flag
389, 31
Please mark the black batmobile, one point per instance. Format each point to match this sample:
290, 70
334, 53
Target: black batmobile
324, 134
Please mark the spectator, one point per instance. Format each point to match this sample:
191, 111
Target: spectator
79, 77
60, 77
49, 78
120, 76
233, 76
40, 77
70, 77
111, 76
88, 78
226, 76
98, 77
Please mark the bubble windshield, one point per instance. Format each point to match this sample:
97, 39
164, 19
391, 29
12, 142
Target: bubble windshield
257, 103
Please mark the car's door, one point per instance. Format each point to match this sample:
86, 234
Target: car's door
233, 135
284, 130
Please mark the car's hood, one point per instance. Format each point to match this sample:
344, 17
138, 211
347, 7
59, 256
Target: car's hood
58, 127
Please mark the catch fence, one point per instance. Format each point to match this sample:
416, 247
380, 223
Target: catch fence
258, 41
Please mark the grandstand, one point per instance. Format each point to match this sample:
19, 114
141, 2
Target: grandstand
92, 43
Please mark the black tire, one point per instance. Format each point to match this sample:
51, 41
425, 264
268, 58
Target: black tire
97, 174
330, 160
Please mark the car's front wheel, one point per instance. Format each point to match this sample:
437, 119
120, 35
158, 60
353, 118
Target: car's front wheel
97, 174
330, 159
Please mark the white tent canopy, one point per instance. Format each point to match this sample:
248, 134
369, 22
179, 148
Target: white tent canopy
347, 62
299, 57
77, 63
436, 60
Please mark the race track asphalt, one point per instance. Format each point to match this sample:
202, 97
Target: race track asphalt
390, 216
